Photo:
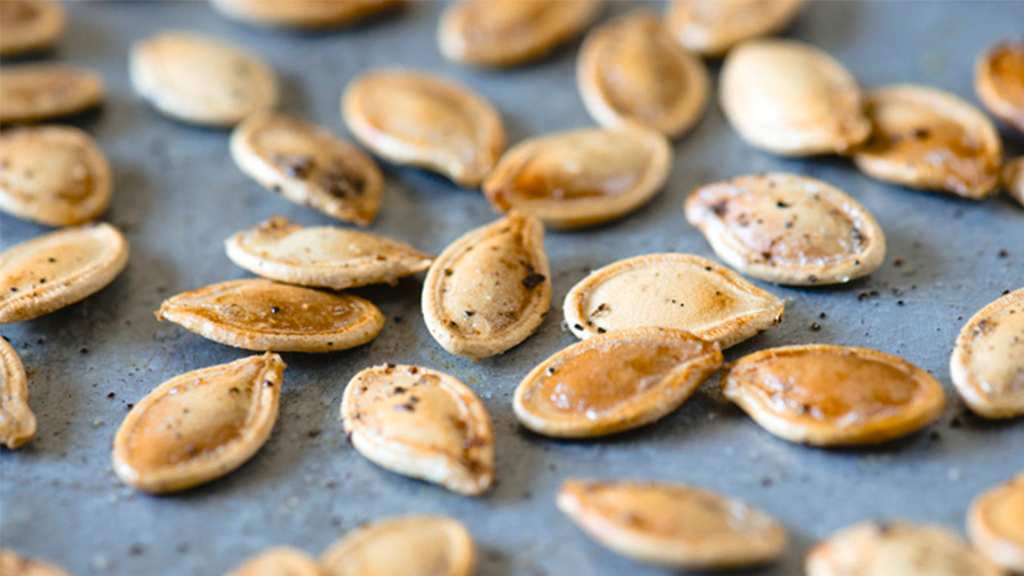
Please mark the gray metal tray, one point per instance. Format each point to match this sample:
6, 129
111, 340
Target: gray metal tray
178, 195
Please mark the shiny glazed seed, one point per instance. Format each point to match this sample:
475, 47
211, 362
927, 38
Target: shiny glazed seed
13, 564
30, 26
999, 81
17, 421
304, 14
995, 524
405, 546
712, 27
43, 91
279, 561
987, 365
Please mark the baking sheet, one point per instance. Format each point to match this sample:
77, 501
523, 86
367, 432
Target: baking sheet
178, 195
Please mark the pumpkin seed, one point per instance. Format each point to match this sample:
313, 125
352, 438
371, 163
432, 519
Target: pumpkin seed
929, 139
54, 175
13, 564
833, 395
673, 525
678, 291
712, 27
615, 382
406, 546
510, 32
257, 314
58, 269
999, 81
17, 421
202, 80
30, 92
29, 26
580, 177
788, 229
1013, 179
878, 548
279, 561
792, 99
490, 289
632, 70
987, 365
421, 423
323, 256
995, 527
200, 425
309, 165
420, 120
305, 14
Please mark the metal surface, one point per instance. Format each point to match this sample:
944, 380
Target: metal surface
178, 195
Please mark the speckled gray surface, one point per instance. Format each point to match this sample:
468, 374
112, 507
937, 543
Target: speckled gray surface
178, 195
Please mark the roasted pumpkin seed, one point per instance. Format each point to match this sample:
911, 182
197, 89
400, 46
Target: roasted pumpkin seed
279, 561
309, 165
421, 120
999, 82
263, 315
307, 14
405, 546
17, 421
202, 80
13, 564
510, 32
678, 291
987, 365
30, 92
421, 423
632, 70
929, 139
55, 175
200, 425
788, 229
490, 289
581, 177
995, 524
30, 26
879, 548
614, 382
1013, 179
323, 256
826, 395
792, 99
712, 27
673, 525
58, 269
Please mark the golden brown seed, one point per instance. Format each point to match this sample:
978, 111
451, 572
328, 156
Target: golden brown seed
1013, 179
17, 421
614, 382
421, 423
999, 81
826, 395
404, 546
304, 14
279, 561
788, 229
13, 564
929, 139
416, 119
632, 70
672, 525
987, 365
995, 524
581, 177
490, 289
712, 27
30, 26
679, 291
31, 92
264, 315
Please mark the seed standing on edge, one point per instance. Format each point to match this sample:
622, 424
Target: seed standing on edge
403, 546
712, 27
13, 564
304, 14
46, 90
999, 81
279, 561
1013, 179
28, 26
17, 421
995, 524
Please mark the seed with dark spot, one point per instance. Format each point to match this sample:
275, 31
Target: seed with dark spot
601, 330
533, 280
268, 384
274, 309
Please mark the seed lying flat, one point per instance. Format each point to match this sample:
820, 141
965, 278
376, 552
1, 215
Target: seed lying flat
826, 395
929, 139
580, 177
323, 256
678, 291
58, 269
987, 365
614, 382
406, 546
510, 32
421, 423
1013, 179
200, 425
307, 14
54, 175
202, 80
712, 27
309, 165
672, 525
792, 99
999, 81
631, 70
421, 120
264, 315
995, 524
13, 564
788, 229
29, 26
889, 548
17, 421
279, 561
490, 289
30, 92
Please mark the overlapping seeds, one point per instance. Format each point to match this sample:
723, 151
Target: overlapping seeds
303, 14
987, 365
406, 546
995, 524
999, 81
17, 421
43, 91
30, 26
712, 27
